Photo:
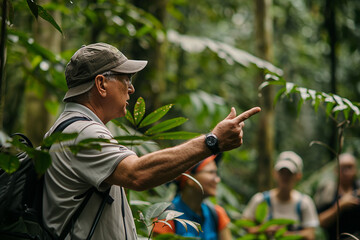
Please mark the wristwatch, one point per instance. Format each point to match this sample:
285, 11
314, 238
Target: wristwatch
211, 141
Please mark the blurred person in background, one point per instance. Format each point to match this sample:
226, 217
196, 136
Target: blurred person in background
348, 195
284, 201
191, 201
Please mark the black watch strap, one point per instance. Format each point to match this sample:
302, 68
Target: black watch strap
212, 142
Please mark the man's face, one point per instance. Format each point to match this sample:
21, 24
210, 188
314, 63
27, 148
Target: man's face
119, 94
347, 168
286, 180
208, 178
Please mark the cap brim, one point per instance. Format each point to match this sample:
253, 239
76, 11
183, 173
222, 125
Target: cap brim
130, 66
78, 90
286, 164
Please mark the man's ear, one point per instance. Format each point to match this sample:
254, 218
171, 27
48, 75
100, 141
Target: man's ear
101, 85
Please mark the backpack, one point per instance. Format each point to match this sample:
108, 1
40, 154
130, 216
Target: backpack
21, 199
297, 208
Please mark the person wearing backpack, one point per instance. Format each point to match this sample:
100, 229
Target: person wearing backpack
284, 201
191, 201
99, 80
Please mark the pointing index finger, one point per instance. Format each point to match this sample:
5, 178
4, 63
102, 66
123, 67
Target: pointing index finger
245, 115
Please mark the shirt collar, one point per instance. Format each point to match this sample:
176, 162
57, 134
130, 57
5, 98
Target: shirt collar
76, 107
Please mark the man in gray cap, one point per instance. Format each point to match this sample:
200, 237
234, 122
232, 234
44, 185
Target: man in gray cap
284, 201
99, 82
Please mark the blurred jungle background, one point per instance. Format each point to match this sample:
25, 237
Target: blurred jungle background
204, 57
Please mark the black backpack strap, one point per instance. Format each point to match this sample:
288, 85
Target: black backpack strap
66, 123
267, 199
106, 198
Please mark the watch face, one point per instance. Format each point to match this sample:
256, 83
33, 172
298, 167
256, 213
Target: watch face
211, 141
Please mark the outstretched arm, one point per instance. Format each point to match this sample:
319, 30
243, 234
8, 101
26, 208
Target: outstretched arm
141, 173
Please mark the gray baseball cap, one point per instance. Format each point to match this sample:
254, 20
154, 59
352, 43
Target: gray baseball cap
289, 160
94, 59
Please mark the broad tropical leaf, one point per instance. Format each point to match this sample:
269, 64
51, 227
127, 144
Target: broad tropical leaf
261, 212
155, 210
155, 116
139, 110
166, 125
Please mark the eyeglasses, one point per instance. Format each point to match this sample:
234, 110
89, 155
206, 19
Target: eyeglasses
128, 80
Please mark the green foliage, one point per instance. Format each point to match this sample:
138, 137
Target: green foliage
264, 225
158, 131
37, 10
334, 104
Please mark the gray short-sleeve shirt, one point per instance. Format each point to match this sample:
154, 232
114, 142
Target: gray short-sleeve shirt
72, 175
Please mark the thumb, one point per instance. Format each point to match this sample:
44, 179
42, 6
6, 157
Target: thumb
232, 114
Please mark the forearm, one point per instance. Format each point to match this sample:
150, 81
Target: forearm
159, 167
328, 216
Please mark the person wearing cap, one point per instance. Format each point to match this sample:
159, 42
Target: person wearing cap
284, 201
193, 203
98, 77
349, 199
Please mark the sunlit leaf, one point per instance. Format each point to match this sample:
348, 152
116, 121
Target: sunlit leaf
175, 135
279, 221
261, 212
249, 236
9, 163
166, 125
130, 118
195, 180
182, 221
166, 223
139, 110
155, 116
193, 224
156, 209
280, 232
244, 223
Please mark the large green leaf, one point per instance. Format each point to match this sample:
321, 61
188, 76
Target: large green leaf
9, 163
46, 16
132, 138
244, 223
155, 210
130, 118
166, 125
155, 116
33, 7
139, 110
42, 160
261, 212
58, 137
279, 221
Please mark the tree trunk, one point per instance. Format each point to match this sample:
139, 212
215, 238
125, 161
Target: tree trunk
38, 119
265, 141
